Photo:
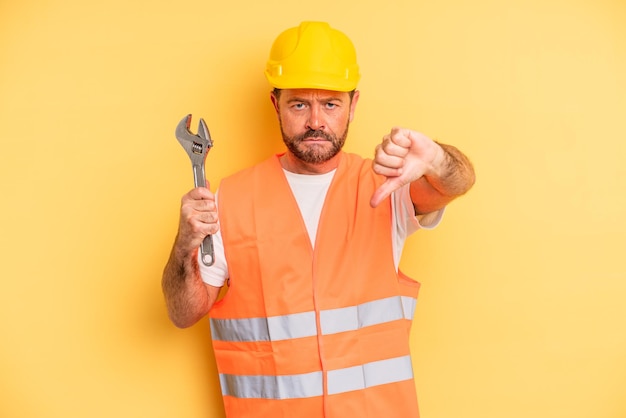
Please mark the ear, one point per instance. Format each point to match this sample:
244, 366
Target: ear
355, 99
275, 103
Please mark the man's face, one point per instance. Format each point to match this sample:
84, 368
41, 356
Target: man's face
314, 123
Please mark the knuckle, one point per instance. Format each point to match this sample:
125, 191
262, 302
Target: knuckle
377, 169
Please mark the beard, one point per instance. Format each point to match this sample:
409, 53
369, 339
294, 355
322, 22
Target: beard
312, 152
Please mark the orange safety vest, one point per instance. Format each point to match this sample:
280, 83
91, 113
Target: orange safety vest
312, 332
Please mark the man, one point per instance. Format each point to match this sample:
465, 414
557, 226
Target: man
316, 319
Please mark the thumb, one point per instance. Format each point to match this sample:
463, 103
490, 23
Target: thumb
384, 190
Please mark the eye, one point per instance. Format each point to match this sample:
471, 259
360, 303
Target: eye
331, 105
298, 106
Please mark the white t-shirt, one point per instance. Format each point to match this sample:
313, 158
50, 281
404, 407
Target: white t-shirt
310, 192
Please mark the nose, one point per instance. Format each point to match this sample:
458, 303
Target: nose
315, 120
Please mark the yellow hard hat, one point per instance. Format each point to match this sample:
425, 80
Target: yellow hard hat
315, 56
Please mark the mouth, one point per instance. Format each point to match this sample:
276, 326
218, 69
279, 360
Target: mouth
315, 140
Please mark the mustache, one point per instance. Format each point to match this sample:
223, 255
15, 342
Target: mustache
313, 133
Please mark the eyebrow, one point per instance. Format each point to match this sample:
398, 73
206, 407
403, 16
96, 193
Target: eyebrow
323, 100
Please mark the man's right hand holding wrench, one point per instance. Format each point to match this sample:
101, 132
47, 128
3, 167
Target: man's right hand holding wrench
188, 298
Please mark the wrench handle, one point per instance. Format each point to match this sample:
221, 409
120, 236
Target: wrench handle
207, 252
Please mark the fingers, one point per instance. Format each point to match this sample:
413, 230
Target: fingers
198, 207
393, 159
198, 217
389, 156
199, 193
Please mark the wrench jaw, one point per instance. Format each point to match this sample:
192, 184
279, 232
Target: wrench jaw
203, 132
196, 146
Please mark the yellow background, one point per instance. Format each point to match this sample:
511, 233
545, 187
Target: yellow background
522, 311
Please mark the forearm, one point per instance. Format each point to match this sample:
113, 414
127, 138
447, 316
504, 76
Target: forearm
451, 176
455, 175
185, 293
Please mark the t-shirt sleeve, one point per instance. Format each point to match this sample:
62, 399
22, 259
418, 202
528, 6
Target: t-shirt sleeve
405, 222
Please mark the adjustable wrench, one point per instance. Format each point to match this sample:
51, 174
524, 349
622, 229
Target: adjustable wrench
197, 147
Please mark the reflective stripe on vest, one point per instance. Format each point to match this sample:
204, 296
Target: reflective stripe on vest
310, 385
307, 385
284, 327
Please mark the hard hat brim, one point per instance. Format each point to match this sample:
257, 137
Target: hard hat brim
312, 81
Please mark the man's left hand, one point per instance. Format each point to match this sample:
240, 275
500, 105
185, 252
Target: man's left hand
403, 157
